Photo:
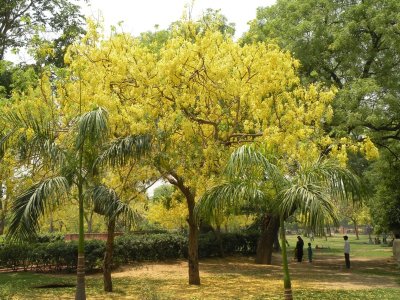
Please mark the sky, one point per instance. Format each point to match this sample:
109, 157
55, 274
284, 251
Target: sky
141, 15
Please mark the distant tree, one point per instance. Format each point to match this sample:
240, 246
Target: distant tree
354, 46
20, 20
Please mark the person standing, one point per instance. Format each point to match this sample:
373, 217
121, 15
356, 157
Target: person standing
309, 251
347, 251
299, 248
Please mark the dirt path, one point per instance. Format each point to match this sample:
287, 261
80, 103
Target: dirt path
325, 273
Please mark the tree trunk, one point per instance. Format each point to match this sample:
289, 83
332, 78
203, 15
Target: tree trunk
356, 229
329, 231
89, 221
217, 233
51, 223
286, 275
277, 246
193, 247
108, 255
266, 240
2, 217
3, 210
80, 270
193, 251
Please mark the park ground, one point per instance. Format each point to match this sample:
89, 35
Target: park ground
374, 275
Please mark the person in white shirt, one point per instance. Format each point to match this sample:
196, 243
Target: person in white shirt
347, 251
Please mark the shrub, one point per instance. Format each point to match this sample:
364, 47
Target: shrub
59, 255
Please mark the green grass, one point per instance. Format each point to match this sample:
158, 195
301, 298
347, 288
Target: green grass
232, 278
333, 246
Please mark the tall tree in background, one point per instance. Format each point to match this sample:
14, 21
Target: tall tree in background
20, 20
354, 46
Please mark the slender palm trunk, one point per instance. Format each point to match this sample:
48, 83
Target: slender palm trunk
3, 210
80, 272
286, 276
107, 265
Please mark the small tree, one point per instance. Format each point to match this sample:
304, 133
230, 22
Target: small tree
107, 203
308, 190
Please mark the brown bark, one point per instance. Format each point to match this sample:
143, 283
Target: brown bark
108, 255
193, 251
89, 221
356, 229
266, 241
80, 278
193, 247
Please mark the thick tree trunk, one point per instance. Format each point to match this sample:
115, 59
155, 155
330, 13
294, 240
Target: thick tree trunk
108, 255
266, 241
193, 251
193, 247
277, 246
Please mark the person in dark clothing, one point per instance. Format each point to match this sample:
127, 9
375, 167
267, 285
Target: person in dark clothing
299, 249
347, 251
309, 250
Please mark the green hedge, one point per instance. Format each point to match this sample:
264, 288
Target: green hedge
60, 255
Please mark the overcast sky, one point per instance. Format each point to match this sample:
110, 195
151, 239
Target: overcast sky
141, 15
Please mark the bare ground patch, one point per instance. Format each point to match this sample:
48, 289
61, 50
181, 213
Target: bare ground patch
324, 273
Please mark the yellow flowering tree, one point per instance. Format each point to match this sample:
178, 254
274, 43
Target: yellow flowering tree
200, 96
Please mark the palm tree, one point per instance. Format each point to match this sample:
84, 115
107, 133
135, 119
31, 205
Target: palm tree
107, 203
251, 179
74, 167
71, 167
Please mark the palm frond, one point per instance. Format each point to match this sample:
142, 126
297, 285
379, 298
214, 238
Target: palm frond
122, 150
312, 201
230, 195
249, 162
24, 118
341, 182
43, 132
92, 127
3, 142
107, 203
34, 203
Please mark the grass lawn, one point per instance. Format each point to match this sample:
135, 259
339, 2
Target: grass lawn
374, 275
